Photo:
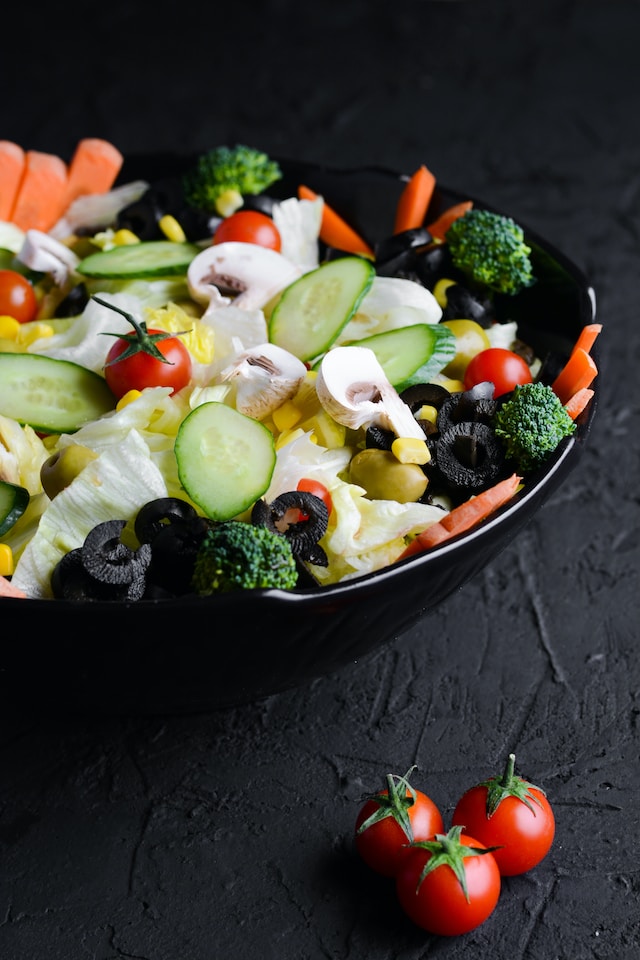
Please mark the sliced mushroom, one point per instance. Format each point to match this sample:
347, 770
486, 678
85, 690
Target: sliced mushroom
243, 273
43, 253
354, 390
264, 377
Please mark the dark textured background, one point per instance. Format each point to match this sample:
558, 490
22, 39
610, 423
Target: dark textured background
229, 835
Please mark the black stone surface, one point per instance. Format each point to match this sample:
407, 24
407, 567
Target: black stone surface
230, 834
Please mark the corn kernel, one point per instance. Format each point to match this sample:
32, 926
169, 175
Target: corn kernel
453, 386
427, 412
440, 291
125, 238
286, 416
127, 398
410, 450
228, 202
6, 560
30, 332
172, 229
9, 327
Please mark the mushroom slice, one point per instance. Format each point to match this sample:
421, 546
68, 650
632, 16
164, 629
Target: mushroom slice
243, 273
43, 253
354, 390
265, 376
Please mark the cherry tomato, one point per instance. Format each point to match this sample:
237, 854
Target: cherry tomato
509, 812
318, 489
249, 226
450, 885
17, 297
504, 368
389, 820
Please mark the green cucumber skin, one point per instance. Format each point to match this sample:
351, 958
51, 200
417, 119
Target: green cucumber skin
153, 258
294, 330
50, 395
402, 352
14, 500
219, 481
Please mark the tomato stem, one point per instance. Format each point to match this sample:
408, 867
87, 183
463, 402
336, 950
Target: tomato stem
140, 341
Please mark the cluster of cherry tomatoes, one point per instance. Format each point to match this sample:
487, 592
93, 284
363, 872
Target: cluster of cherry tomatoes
449, 883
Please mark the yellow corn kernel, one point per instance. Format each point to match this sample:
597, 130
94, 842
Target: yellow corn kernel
228, 202
286, 416
410, 450
440, 291
127, 398
325, 430
9, 327
125, 238
172, 229
453, 386
427, 412
30, 332
6, 560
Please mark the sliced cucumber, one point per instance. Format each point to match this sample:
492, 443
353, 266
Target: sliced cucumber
152, 258
14, 500
52, 396
315, 308
412, 354
225, 459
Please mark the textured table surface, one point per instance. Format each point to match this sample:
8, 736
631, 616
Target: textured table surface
230, 834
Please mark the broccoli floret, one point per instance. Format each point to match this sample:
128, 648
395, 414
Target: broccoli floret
224, 175
235, 555
531, 424
491, 250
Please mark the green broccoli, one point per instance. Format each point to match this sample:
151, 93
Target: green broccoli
224, 175
235, 555
531, 424
491, 250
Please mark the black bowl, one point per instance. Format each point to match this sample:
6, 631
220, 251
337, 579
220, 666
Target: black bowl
199, 654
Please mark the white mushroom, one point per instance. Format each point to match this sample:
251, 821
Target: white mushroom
43, 253
353, 388
246, 274
265, 376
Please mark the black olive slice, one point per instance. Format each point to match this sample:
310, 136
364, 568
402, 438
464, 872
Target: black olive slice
472, 406
173, 554
432, 263
159, 514
425, 394
468, 458
303, 535
462, 303
378, 438
397, 254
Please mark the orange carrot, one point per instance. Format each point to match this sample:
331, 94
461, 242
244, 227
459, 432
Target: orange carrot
40, 197
465, 516
576, 404
334, 231
414, 200
94, 167
588, 336
579, 371
8, 590
439, 227
11, 167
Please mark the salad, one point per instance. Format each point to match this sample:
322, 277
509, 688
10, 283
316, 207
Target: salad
185, 362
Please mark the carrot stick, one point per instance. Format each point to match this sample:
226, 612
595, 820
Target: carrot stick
8, 590
465, 516
576, 404
334, 231
11, 168
40, 196
588, 336
414, 200
579, 371
94, 167
439, 227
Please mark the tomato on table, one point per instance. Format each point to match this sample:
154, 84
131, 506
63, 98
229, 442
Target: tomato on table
17, 297
390, 820
502, 367
448, 885
249, 226
512, 813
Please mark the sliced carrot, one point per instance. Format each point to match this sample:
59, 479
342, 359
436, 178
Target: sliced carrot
40, 197
94, 168
439, 227
11, 167
414, 200
579, 371
8, 590
588, 336
576, 404
465, 516
334, 231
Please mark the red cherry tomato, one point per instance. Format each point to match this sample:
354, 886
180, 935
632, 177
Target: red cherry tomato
318, 489
431, 882
17, 297
140, 369
504, 368
249, 226
389, 820
509, 812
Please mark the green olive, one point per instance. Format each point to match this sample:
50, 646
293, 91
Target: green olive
63, 466
385, 478
471, 338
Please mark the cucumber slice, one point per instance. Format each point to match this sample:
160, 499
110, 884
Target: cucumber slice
315, 308
14, 500
225, 459
152, 258
412, 354
52, 396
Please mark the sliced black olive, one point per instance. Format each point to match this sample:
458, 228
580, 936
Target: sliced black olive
379, 438
397, 254
425, 394
462, 303
432, 263
468, 458
74, 302
261, 202
142, 217
173, 554
303, 535
471, 406
109, 560
160, 513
